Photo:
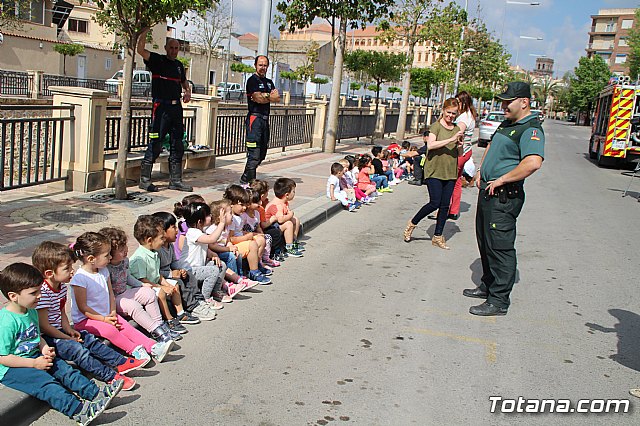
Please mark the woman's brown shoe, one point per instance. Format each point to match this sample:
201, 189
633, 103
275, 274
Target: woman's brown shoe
408, 231
438, 241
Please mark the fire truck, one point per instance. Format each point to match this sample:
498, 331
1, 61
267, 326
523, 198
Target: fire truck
615, 133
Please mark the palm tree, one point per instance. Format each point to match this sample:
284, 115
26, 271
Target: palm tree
544, 87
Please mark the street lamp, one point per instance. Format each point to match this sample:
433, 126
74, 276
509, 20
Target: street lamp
504, 13
525, 38
458, 65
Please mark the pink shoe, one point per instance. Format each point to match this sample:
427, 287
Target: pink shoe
248, 283
234, 289
214, 304
271, 262
221, 297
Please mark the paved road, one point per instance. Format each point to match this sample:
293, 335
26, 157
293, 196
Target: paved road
368, 330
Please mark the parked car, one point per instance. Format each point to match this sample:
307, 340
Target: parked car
539, 114
228, 91
141, 85
197, 88
571, 118
488, 127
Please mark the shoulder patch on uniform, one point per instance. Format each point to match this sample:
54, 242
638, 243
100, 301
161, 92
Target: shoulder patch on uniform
534, 135
513, 132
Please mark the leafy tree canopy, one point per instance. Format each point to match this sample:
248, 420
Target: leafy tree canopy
591, 76
68, 49
633, 41
423, 80
319, 80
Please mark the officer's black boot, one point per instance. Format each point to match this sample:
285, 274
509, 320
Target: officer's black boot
175, 178
145, 178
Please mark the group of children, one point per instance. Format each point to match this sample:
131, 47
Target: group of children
185, 268
360, 180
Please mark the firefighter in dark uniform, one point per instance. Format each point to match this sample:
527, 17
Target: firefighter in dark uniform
168, 80
516, 151
261, 92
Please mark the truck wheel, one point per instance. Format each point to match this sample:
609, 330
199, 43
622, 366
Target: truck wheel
602, 160
593, 153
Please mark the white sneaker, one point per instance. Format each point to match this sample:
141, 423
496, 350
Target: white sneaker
203, 312
140, 353
161, 349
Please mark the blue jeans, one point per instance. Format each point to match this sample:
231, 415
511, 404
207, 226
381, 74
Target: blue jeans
91, 355
380, 181
389, 175
53, 386
439, 198
233, 262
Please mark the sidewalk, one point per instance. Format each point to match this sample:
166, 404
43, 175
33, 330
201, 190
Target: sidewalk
31, 215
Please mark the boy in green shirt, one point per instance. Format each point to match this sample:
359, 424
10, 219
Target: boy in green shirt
29, 365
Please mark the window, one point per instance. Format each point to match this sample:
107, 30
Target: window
622, 42
621, 59
78, 25
611, 26
419, 56
107, 63
32, 11
626, 24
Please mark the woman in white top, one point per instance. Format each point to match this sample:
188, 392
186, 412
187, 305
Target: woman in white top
466, 121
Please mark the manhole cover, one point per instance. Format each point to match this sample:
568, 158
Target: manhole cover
136, 197
74, 216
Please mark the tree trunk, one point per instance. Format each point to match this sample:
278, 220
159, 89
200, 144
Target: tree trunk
334, 103
208, 68
404, 102
64, 65
125, 120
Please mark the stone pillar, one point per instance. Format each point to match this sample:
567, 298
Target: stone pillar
343, 101
323, 97
359, 101
120, 88
83, 144
205, 131
286, 98
35, 83
319, 108
415, 119
429, 113
312, 97
378, 133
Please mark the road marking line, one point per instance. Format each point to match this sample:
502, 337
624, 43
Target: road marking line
466, 317
491, 348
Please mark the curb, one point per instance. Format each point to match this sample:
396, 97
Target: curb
17, 408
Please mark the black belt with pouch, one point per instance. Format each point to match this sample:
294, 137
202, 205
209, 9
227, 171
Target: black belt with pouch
507, 191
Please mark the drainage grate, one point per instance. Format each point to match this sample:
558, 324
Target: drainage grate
74, 216
134, 197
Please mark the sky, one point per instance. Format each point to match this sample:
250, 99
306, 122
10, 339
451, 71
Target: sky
562, 24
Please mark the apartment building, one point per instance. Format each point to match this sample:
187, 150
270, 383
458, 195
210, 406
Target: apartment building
608, 37
366, 39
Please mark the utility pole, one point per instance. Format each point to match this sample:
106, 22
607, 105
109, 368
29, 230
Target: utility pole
265, 28
459, 63
227, 65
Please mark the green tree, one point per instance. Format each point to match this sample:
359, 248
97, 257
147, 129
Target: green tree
353, 13
543, 88
128, 20
318, 81
308, 68
424, 79
633, 41
354, 86
10, 12
378, 66
67, 49
393, 90
408, 22
244, 69
591, 76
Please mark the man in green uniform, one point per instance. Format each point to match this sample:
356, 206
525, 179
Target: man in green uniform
516, 151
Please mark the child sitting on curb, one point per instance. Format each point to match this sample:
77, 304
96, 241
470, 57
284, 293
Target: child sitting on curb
285, 191
145, 266
173, 268
334, 190
29, 365
55, 263
271, 230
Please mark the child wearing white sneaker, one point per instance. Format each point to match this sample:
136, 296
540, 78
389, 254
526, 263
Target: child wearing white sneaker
334, 190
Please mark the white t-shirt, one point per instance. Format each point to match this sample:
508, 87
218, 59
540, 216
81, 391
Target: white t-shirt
224, 236
193, 252
467, 118
351, 182
333, 180
97, 286
235, 228
250, 224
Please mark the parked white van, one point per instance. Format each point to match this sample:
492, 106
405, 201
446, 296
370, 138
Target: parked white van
141, 83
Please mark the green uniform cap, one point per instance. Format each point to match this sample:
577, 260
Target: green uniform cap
515, 90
